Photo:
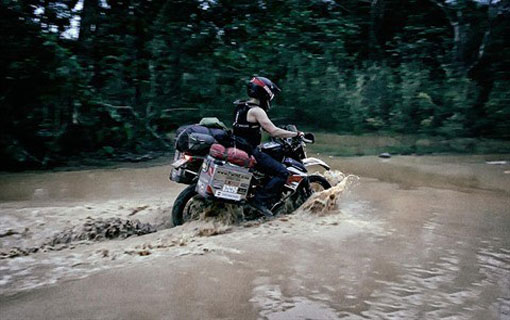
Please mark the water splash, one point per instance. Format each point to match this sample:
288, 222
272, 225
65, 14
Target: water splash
326, 202
208, 218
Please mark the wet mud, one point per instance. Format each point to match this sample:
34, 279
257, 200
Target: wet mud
429, 244
91, 230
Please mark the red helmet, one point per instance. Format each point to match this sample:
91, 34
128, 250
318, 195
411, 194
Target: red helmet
264, 90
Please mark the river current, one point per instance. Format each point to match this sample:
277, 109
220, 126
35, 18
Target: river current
417, 238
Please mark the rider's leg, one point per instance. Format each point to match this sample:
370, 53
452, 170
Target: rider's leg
279, 173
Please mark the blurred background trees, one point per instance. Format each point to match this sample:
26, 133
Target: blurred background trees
117, 76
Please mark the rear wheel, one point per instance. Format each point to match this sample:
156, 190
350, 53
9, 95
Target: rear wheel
184, 206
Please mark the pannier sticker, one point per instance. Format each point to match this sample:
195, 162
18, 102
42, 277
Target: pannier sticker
227, 182
227, 195
230, 189
232, 183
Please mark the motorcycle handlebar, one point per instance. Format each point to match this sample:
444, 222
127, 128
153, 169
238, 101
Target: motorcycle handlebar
307, 138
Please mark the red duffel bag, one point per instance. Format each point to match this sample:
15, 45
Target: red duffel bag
218, 151
239, 157
232, 155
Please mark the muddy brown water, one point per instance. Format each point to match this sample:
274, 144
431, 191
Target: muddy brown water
418, 238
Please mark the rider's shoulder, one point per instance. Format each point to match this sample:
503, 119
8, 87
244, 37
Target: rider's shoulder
256, 109
257, 112
240, 102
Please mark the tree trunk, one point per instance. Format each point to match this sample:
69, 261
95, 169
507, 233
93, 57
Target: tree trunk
376, 16
89, 20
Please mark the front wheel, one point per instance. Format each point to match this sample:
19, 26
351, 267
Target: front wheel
181, 209
318, 183
315, 184
312, 185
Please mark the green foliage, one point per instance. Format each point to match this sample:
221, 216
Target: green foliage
498, 109
139, 69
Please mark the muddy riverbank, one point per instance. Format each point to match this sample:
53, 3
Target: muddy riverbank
418, 238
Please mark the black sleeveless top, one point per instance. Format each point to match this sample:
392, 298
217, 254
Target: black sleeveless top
249, 131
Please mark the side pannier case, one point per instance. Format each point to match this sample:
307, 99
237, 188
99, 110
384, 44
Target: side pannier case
222, 180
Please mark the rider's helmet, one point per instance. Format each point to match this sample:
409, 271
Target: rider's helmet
264, 90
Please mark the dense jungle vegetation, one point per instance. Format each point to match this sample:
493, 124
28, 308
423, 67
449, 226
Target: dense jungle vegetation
112, 77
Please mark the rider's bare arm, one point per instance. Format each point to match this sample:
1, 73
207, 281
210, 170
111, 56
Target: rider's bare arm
258, 114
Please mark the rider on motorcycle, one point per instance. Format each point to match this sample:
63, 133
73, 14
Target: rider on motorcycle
249, 118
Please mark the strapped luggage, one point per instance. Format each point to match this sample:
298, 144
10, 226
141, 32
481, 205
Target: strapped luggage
232, 155
199, 143
192, 138
218, 151
213, 123
240, 157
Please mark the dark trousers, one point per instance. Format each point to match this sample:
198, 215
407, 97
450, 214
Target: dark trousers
278, 172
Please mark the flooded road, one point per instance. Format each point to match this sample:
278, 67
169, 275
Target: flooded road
417, 238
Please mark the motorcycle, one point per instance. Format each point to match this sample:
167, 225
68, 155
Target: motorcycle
218, 180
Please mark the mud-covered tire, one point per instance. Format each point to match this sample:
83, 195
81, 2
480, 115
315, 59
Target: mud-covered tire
323, 182
305, 194
180, 204
302, 194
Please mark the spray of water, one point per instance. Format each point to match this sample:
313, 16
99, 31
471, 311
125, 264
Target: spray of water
211, 218
326, 202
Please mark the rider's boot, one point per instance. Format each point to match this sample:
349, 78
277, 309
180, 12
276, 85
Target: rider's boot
261, 207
